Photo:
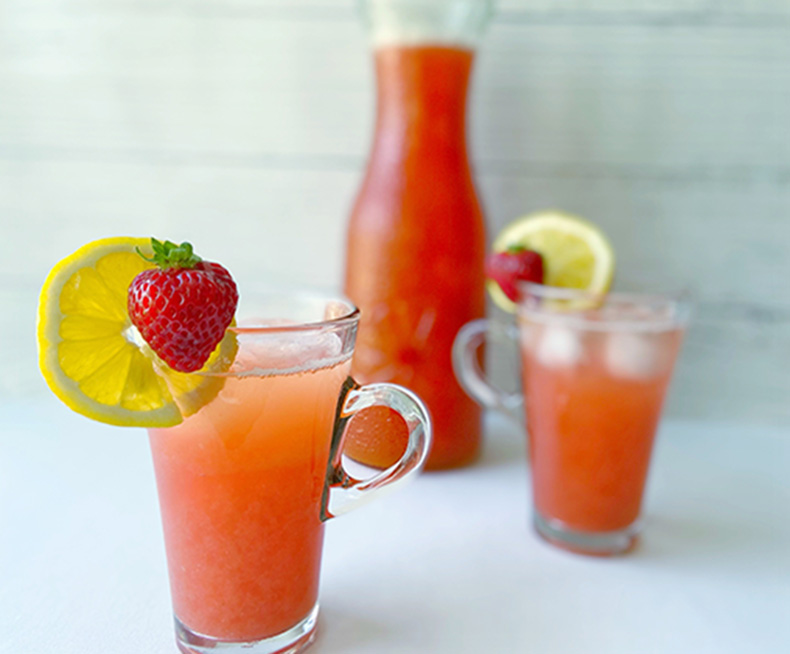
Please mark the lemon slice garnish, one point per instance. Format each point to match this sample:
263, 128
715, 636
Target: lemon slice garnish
94, 359
576, 253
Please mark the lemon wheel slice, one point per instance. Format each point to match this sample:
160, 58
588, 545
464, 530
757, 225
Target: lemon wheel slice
576, 253
94, 359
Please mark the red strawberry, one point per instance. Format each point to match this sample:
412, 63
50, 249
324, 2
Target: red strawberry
183, 307
514, 264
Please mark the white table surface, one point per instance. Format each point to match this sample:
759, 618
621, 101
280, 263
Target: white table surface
448, 564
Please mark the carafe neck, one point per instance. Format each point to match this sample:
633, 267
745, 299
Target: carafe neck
422, 92
423, 51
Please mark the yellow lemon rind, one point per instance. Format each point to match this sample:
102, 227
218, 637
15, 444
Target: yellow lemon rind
523, 231
49, 338
178, 395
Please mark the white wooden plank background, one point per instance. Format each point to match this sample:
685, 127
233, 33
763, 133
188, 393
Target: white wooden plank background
244, 125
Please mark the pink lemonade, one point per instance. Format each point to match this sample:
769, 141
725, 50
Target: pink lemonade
593, 401
240, 488
415, 249
246, 418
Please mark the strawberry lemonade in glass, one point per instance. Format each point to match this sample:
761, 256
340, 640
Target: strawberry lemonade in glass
595, 370
595, 373
246, 448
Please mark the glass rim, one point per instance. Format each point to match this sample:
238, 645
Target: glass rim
348, 317
679, 302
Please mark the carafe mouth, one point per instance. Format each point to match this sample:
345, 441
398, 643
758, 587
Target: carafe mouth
418, 22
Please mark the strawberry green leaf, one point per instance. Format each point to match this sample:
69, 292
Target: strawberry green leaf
171, 255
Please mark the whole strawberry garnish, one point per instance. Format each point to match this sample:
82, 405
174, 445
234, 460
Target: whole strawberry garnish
183, 307
513, 265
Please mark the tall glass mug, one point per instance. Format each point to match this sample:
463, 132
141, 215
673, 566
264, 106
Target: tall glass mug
595, 370
247, 482
416, 235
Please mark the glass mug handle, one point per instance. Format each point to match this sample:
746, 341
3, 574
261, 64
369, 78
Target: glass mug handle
343, 491
471, 376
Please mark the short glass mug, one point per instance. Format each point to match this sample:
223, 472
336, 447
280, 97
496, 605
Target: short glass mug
246, 483
595, 370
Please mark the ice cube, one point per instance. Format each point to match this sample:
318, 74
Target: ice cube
635, 356
529, 335
559, 347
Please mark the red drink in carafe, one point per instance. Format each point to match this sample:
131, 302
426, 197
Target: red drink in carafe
415, 249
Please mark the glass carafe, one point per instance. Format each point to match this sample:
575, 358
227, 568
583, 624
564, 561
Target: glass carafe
416, 237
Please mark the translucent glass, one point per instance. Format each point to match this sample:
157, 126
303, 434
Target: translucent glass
417, 217
247, 483
595, 370
411, 22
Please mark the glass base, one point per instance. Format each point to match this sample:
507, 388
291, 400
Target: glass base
605, 543
296, 639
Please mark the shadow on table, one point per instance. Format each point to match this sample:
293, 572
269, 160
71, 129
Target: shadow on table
357, 631
710, 543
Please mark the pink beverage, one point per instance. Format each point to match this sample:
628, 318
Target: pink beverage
595, 370
592, 421
246, 484
416, 236
249, 470
594, 383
